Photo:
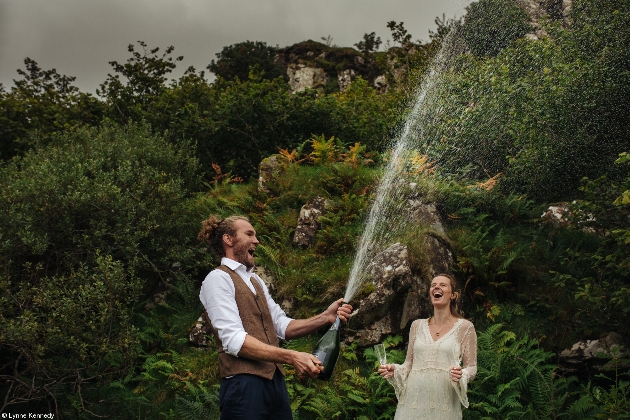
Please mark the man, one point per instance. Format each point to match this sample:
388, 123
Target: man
247, 323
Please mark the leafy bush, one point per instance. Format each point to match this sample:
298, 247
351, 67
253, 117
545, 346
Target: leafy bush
491, 25
235, 61
544, 113
611, 403
90, 224
514, 379
117, 190
599, 277
45, 102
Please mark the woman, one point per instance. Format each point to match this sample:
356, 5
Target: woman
431, 383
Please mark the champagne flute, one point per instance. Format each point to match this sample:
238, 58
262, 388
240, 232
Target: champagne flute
379, 349
457, 358
457, 362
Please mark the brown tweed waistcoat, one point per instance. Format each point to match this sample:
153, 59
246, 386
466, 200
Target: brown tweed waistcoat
257, 322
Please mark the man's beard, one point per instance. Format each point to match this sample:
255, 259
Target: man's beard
241, 255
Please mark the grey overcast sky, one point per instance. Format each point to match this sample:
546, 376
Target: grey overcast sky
80, 37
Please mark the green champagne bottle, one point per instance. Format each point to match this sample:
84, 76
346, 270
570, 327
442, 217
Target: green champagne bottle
327, 350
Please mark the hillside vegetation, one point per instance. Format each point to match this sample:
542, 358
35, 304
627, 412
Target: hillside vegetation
103, 196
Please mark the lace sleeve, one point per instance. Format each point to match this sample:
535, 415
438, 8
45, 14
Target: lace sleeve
467, 338
399, 380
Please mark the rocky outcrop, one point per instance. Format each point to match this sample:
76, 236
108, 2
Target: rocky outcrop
400, 294
302, 77
375, 333
157, 297
270, 170
391, 276
380, 84
266, 277
287, 306
345, 77
439, 255
561, 215
311, 64
556, 215
424, 214
198, 333
416, 305
593, 355
308, 221
439, 259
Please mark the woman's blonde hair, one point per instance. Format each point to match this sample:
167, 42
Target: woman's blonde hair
213, 229
455, 304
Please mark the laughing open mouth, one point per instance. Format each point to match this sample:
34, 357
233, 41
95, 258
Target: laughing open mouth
251, 251
437, 294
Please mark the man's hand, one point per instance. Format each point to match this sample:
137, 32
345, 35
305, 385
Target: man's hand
336, 309
306, 364
301, 327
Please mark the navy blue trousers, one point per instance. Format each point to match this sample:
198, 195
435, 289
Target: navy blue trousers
250, 397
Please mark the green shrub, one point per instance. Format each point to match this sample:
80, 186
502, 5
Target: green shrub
514, 379
609, 403
598, 276
45, 102
235, 61
491, 25
90, 224
544, 113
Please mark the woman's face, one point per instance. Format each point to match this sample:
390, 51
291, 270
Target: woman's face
441, 291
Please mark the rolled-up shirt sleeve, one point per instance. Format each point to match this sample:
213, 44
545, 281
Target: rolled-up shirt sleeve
218, 297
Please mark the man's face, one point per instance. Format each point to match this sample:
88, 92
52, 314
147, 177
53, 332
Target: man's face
244, 243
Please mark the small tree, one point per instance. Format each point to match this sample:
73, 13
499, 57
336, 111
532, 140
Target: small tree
43, 101
404, 59
234, 61
369, 44
146, 74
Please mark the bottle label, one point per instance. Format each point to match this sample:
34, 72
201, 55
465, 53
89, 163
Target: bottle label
321, 355
335, 326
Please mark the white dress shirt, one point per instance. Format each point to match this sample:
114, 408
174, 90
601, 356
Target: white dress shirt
218, 297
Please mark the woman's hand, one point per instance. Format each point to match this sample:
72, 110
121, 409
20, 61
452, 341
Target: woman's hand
386, 371
456, 373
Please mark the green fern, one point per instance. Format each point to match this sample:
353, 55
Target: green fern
583, 408
325, 405
270, 256
514, 379
197, 403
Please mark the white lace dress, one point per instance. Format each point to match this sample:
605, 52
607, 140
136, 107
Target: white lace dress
423, 384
